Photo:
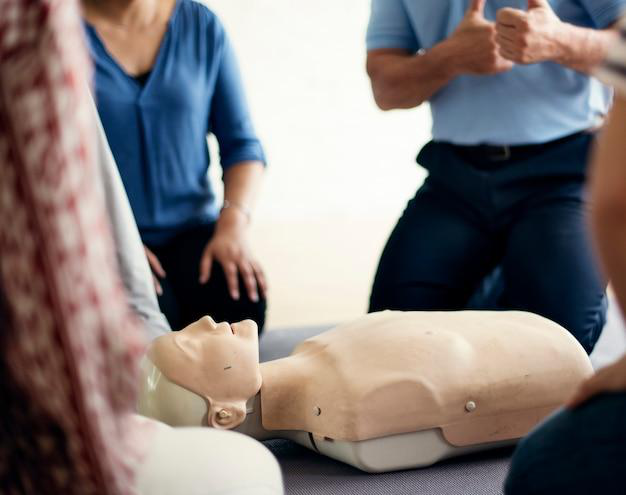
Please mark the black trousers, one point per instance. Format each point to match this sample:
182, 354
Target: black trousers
524, 218
184, 299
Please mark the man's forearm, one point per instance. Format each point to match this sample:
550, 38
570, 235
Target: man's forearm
538, 35
402, 80
583, 49
406, 81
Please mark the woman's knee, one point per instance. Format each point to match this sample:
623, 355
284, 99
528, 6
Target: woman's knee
586, 326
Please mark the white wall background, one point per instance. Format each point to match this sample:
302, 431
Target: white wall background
340, 170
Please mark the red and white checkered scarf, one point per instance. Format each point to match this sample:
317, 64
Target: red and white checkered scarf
69, 345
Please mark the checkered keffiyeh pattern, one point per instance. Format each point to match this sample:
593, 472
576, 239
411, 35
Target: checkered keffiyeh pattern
69, 346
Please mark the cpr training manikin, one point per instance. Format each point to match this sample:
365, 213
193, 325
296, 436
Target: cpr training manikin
389, 391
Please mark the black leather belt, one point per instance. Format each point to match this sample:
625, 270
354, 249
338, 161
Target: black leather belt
489, 156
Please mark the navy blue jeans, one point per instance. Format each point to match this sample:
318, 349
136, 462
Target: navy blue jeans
525, 218
575, 452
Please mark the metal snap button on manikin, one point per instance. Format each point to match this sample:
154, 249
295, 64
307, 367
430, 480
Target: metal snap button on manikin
470, 406
317, 411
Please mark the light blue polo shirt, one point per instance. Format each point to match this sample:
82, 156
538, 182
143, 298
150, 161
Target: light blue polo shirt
529, 104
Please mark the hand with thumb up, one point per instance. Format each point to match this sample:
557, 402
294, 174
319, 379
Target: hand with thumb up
474, 46
532, 36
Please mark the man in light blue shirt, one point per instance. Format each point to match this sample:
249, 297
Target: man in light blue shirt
513, 110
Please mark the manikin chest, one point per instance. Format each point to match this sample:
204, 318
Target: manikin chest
459, 380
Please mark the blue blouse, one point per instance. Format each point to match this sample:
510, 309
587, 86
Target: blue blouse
158, 131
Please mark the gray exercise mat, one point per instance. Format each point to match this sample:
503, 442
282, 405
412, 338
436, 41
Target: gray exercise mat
307, 473
276, 344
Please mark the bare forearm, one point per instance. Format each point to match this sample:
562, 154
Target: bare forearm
539, 35
611, 241
609, 200
402, 81
229, 246
241, 186
583, 49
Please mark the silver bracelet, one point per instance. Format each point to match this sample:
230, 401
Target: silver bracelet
232, 204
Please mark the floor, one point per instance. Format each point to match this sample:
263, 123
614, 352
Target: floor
339, 172
306, 473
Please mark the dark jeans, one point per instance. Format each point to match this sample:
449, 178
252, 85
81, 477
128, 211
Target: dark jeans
575, 452
184, 300
524, 217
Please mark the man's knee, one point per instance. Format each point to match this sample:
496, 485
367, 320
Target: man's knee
415, 297
394, 299
584, 322
586, 326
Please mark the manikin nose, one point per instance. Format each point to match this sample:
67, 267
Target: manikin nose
224, 327
209, 321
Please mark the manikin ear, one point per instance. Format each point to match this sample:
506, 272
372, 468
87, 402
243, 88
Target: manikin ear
226, 415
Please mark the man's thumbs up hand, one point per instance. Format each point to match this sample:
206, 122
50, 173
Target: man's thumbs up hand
538, 4
474, 45
476, 9
529, 37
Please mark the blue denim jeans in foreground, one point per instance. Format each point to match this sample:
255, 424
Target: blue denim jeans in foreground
575, 452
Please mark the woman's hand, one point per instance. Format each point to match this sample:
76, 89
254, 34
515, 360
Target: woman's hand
157, 270
609, 379
229, 247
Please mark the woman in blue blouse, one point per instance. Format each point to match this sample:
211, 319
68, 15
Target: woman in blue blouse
166, 76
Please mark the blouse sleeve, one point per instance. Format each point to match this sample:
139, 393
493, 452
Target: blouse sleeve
230, 119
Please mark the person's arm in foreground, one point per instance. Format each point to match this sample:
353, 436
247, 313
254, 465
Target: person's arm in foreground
70, 346
538, 35
404, 80
132, 262
609, 226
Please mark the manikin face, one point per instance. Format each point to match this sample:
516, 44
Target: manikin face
219, 362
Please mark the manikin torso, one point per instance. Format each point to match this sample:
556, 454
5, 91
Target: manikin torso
424, 385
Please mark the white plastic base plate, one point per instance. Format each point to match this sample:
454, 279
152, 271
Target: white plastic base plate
394, 453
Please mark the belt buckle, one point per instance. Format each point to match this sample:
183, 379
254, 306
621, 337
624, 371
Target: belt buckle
504, 155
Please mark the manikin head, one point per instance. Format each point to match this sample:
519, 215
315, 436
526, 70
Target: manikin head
217, 363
